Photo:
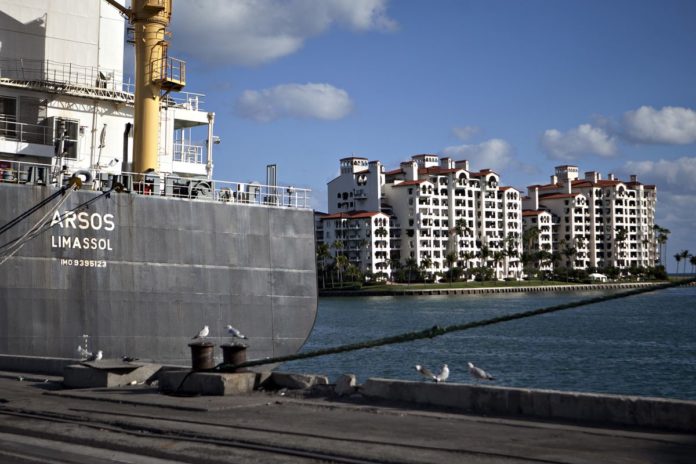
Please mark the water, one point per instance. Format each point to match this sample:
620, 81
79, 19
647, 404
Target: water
641, 345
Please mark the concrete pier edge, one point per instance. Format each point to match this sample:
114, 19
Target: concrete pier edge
403, 290
620, 410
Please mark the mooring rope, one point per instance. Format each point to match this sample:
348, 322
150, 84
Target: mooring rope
437, 331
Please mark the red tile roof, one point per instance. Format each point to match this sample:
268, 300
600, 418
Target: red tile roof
532, 212
410, 182
354, 215
555, 196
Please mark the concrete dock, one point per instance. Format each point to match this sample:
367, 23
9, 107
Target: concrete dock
40, 421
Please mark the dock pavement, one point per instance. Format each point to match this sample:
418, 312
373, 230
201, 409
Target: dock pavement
41, 421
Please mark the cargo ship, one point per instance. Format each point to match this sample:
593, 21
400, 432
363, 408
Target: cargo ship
113, 231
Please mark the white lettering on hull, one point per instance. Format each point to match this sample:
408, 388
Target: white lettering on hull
85, 243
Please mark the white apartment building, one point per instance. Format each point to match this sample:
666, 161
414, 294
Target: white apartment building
599, 222
362, 237
542, 224
436, 207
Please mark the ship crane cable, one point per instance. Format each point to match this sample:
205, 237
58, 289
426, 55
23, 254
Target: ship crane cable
43, 225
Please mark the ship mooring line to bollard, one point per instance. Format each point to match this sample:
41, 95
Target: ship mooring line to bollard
437, 331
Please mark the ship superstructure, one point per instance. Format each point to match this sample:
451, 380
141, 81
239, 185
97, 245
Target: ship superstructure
137, 271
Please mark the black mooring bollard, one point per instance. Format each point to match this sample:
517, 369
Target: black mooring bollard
202, 356
233, 353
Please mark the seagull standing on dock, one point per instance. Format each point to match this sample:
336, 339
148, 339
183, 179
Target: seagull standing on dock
443, 375
478, 373
96, 357
202, 333
84, 353
425, 372
235, 333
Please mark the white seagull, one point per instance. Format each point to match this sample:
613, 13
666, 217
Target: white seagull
84, 353
203, 332
428, 374
479, 373
425, 372
235, 333
443, 375
96, 357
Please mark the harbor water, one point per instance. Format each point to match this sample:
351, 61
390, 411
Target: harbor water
640, 345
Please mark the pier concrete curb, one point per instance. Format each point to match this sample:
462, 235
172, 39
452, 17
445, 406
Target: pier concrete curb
637, 411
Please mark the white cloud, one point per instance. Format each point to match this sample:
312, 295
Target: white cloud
319, 101
250, 32
669, 125
495, 154
465, 132
672, 175
582, 140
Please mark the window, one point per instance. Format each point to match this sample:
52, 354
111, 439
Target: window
65, 134
8, 117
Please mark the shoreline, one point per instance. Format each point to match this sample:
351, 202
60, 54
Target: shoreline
485, 290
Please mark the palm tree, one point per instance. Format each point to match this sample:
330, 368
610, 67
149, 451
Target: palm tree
341, 264
678, 257
322, 255
450, 259
685, 255
411, 265
425, 265
484, 253
497, 258
530, 236
569, 251
662, 236
692, 261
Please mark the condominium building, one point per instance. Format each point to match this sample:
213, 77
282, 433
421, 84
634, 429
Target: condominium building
596, 222
362, 237
440, 214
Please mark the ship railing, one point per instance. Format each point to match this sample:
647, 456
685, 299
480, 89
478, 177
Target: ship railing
249, 193
22, 172
188, 153
152, 184
259, 194
15, 131
61, 73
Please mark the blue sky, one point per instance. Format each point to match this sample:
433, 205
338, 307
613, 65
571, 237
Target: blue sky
517, 86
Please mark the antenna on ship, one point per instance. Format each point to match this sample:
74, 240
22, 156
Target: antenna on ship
156, 74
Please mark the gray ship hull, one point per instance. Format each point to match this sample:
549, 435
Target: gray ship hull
141, 275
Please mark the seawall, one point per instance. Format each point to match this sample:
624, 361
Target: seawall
620, 410
398, 291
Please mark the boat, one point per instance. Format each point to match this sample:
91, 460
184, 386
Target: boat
114, 234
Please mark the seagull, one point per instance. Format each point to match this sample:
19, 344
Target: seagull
235, 333
443, 375
203, 333
425, 372
97, 356
479, 373
83, 352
